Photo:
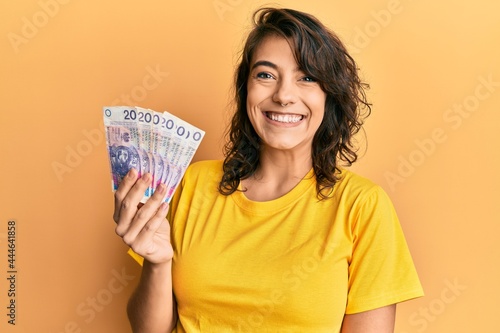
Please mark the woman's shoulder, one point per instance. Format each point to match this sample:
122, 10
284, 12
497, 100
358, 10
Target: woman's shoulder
352, 184
351, 178
204, 169
204, 166
359, 191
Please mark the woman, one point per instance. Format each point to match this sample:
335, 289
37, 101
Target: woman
278, 237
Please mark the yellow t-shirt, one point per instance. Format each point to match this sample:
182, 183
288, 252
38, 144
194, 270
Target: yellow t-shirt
293, 264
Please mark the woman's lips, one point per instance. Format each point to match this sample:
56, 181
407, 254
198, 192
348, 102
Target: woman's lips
284, 118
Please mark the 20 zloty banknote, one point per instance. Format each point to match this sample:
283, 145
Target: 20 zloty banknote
149, 141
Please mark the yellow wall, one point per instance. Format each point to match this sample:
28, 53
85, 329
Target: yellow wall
433, 140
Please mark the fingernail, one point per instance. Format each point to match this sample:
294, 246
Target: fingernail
146, 177
161, 188
164, 207
131, 173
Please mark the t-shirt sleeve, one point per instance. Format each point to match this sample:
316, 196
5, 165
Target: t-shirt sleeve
381, 270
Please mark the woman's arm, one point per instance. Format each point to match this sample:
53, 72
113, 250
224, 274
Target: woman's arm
380, 320
151, 307
146, 230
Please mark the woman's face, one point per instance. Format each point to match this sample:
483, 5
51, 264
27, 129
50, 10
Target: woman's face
285, 106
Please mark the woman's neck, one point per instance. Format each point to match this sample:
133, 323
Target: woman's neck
278, 173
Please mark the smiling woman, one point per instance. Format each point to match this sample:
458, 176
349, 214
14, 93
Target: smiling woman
284, 105
315, 60
278, 237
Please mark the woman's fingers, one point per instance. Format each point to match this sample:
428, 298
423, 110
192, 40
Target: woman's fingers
149, 233
154, 236
144, 215
126, 184
143, 227
127, 209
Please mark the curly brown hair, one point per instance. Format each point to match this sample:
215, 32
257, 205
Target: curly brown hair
319, 53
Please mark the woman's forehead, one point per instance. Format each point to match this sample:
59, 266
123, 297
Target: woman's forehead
273, 51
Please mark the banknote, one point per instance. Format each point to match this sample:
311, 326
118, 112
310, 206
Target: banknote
123, 144
144, 128
158, 143
159, 146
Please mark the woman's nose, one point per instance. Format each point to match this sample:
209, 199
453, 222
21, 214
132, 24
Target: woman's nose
285, 93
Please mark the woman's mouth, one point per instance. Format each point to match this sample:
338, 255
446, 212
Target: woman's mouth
284, 118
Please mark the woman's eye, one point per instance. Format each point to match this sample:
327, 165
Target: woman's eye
308, 79
264, 75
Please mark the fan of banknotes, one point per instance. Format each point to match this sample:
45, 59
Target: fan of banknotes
149, 141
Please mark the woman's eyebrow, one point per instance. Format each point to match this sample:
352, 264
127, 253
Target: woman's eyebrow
265, 63
270, 64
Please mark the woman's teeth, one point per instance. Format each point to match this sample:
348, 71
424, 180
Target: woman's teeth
284, 118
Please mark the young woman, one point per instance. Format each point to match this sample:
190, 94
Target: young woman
278, 237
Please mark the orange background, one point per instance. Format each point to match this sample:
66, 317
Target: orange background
433, 140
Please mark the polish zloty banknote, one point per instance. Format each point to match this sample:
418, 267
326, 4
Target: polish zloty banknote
144, 126
160, 143
122, 139
186, 138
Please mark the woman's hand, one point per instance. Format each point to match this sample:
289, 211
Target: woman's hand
143, 227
